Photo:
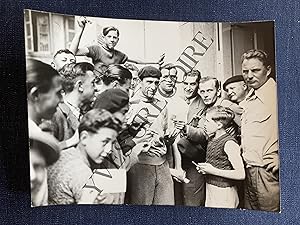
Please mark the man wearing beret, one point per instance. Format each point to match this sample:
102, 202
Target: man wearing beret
236, 88
150, 181
260, 133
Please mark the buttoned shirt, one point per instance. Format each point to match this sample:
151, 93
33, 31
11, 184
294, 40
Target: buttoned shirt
260, 124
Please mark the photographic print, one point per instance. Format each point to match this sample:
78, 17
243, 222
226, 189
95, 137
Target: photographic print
149, 112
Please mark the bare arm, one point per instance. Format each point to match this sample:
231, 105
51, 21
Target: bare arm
159, 62
232, 149
76, 40
176, 153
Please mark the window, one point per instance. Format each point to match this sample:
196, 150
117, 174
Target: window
37, 31
69, 29
28, 31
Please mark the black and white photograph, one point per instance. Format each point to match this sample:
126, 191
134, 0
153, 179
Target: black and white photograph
146, 112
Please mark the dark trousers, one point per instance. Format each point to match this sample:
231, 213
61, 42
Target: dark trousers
150, 185
261, 190
193, 193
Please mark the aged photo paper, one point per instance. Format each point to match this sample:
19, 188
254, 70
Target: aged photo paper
149, 112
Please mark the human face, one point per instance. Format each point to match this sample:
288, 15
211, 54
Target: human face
111, 39
46, 103
168, 80
208, 92
255, 73
88, 87
62, 59
99, 145
149, 86
37, 172
190, 86
210, 126
236, 91
126, 85
135, 80
120, 115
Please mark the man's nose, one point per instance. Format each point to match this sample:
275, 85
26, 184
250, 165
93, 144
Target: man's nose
229, 92
108, 148
250, 74
153, 86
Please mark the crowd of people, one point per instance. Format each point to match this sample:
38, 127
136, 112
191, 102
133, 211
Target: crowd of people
194, 149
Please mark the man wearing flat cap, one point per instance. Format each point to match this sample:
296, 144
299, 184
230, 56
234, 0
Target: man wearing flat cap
150, 181
44, 152
236, 88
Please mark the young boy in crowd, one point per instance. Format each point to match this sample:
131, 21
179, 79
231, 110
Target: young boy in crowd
98, 130
224, 163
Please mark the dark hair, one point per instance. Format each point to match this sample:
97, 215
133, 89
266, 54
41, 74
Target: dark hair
223, 114
67, 51
39, 75
205, 79
95, 119
257, 54
110, 28
193, 73
116, 72
168, 66
71, 72
99, 70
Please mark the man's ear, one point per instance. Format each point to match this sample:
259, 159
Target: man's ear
115, 84
219, 92
269, 70
33, 94
83, 137
78, 85
53, 65
245, 87
220, 125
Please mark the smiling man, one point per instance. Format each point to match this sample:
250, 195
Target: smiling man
193, 193
150, 181
105, 52
236, 88
98, 131
260, 133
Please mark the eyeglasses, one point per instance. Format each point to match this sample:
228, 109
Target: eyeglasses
169, 74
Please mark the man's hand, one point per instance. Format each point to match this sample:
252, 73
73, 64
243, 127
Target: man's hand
179, 175
146, 138
271, 163
180, 125
82, 21
205, 168
104, 198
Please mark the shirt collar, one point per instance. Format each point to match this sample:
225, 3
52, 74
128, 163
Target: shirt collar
75, 110
264, 92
